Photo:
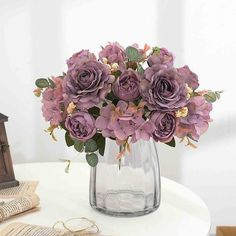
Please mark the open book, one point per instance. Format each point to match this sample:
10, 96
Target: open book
19, 229
18, 205
25, 187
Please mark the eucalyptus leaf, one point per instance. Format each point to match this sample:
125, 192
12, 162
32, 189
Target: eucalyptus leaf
133, 54
140, 69
210, 97
94, 111
116, 73
101, 142
217, 95
112, 97
92, 159
90, 146
171, 143
42, 83
69, 141
79, 146
51, 83
62, 125
155, 50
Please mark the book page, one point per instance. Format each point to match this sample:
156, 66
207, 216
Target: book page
19, 229
25, 187
18, 205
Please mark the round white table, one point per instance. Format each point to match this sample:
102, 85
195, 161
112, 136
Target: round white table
64, 196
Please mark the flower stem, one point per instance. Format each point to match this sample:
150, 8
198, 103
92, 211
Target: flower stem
119, 161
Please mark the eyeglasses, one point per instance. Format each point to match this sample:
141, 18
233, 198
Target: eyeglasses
79, 226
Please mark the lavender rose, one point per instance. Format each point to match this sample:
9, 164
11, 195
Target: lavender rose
165, 125
81, 125
161, 57
163, 89
190, 78
126, 86
86, 84
80, 58
197, 121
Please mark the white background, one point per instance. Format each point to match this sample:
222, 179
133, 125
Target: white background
36, 37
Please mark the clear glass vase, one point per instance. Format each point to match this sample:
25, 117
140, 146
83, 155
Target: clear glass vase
129, 188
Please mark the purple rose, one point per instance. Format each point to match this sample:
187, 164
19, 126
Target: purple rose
126, 86
88, 83
197, 121
162, 57
81, 125
190, 78
80, 58
163, 89
114, 53
165, 125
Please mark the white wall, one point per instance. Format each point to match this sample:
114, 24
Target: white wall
36, 37
208, 45
210, 49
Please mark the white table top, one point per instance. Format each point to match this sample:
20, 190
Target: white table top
64, 196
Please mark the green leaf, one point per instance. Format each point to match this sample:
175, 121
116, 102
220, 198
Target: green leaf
155, 50
171, 143
101, 142
112, 97
42, 83
210, 97
140, 69
92, 159
94, 111
62, 125
133, 54
116, 73
69, 141
51, 83
218, 94
90, 146
79, 146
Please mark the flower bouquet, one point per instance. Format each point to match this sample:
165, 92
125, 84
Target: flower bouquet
125, 95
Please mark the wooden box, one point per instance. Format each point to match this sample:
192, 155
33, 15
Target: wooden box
7, 177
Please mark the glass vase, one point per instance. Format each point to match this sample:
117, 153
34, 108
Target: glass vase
129, 186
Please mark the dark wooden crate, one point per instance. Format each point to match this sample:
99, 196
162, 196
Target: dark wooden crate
7, 177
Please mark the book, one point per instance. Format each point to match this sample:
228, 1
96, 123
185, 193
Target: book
20, 229
19, 205
25, 187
